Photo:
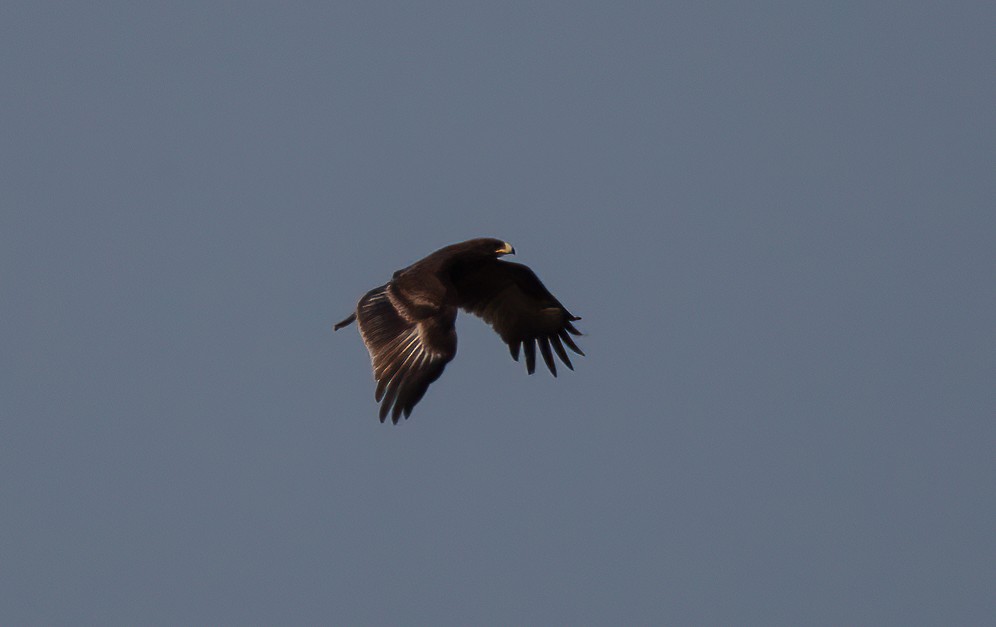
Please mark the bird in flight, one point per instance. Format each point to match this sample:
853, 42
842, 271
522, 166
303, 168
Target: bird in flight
407, 324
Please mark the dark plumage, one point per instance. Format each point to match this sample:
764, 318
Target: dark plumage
407, 324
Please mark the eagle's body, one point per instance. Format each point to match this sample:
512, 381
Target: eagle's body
408, 324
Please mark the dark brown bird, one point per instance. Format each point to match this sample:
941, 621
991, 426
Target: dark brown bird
407, 324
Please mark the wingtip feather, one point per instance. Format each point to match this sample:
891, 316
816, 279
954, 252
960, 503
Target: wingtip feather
558, 346
570, 342
529, 347
544, 345
348, 321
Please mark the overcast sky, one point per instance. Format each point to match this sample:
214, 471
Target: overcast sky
775, 218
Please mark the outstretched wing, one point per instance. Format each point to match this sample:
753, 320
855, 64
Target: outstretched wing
407, 354
512, 299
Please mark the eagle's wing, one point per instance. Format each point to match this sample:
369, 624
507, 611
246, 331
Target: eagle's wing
407, 353
512, 299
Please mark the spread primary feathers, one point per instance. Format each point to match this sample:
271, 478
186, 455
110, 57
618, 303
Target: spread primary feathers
407, 324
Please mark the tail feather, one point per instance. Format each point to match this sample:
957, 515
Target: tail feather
345, 323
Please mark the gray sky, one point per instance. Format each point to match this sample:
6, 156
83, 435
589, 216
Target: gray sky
775, 218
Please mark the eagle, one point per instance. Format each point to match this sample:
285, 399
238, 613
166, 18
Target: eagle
407, 324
